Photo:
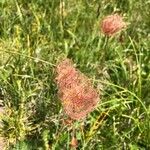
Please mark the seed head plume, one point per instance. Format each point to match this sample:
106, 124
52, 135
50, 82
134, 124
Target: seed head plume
75, 90
112, 24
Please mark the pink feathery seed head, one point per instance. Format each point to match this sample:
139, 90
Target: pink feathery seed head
78, 101
75, 90
66, 74
112, 24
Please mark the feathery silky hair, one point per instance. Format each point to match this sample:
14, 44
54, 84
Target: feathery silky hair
111, 24
76, 93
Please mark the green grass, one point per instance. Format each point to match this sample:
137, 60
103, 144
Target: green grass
35, 35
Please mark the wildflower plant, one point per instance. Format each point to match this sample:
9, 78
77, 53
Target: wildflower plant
112, 24
75, 90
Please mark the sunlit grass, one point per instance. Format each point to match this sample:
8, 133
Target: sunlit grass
35, 35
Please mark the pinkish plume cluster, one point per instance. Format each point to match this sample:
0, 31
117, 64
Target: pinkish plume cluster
76, 93
112, 24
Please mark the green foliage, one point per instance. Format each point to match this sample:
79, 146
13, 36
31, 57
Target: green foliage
35, 34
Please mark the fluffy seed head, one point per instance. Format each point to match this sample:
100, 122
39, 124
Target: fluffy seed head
112, 24
74, 142
76, 93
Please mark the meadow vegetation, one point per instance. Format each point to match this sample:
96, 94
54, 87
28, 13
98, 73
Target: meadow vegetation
35, 35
